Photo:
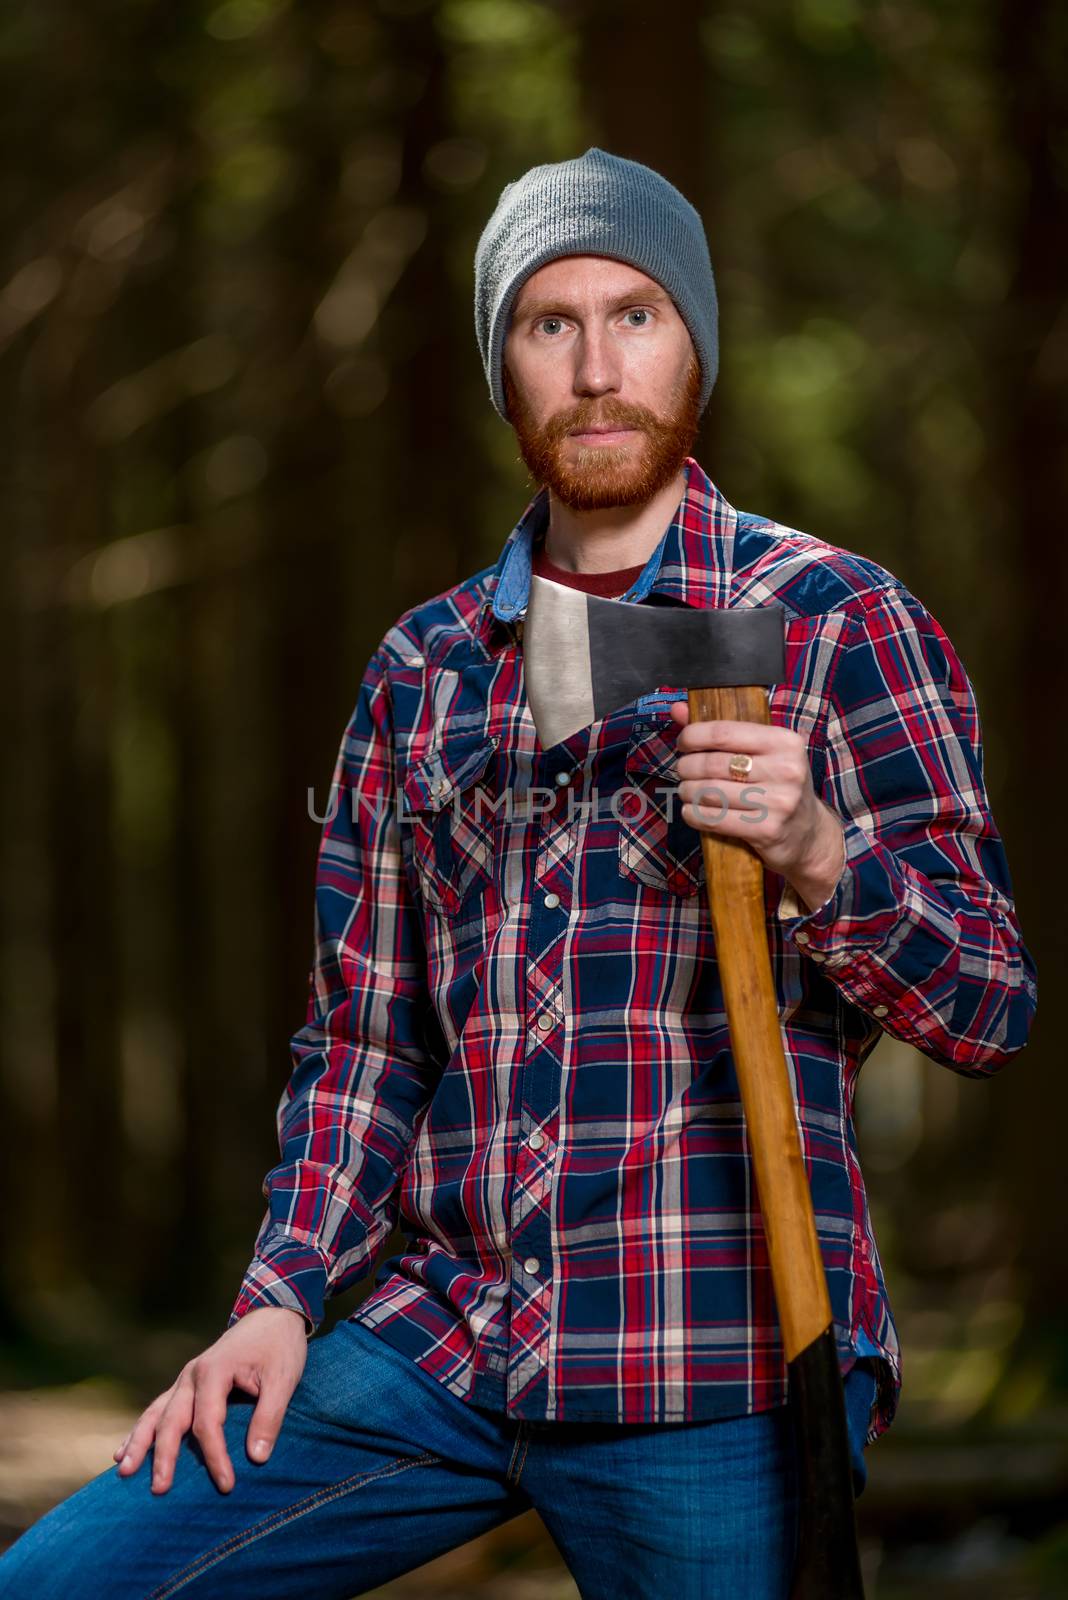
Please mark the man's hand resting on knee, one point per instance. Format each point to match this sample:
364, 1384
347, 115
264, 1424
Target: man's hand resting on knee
264, 1354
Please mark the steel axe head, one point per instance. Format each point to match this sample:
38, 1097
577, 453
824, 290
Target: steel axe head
585, 657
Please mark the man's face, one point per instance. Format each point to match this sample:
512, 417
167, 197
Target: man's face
595, 344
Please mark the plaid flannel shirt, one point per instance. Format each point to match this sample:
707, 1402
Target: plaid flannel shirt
516, 1045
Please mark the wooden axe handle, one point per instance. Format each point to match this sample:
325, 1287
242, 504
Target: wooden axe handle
828, 1560
735, 883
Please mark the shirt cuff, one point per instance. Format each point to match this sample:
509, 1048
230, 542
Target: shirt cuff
858, 920
284, 1272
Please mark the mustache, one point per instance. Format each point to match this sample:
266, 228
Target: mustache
581, 420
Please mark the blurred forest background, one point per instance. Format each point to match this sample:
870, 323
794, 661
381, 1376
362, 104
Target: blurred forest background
246, 426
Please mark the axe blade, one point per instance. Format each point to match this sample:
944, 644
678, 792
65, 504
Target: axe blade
585, 657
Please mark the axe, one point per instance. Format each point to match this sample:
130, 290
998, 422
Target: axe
583, 658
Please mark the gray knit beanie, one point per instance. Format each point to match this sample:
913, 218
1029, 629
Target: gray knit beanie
602, 205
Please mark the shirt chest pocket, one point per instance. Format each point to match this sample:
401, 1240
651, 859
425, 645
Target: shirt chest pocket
449, 810
657, 846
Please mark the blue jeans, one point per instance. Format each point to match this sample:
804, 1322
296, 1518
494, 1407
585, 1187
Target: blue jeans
378, 1468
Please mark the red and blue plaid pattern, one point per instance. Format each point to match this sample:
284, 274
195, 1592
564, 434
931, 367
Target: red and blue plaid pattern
516, 1044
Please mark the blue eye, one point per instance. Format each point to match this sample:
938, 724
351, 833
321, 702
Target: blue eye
638, 311
544, 320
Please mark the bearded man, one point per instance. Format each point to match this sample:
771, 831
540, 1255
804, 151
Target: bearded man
516, 1044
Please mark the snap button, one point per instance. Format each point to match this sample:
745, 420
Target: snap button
563, 777
552, 901
437, 786
531, 1264
801, 936
545, 1022
536, 1140
879, 1011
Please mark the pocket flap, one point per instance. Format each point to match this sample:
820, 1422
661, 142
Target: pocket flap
432, 782
652, 745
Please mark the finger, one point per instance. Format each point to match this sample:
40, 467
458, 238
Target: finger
716, 764
730, 824
714, 798
755, 738
209, 1414
266, 1422
779, 770
173, 1424
140, 1436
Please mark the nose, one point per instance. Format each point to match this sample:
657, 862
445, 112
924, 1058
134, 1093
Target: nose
597, 363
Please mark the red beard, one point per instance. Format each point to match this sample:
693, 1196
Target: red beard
601, 476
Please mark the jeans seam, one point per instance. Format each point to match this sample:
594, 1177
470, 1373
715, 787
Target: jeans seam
520, 1438
524, 1438
280, 1519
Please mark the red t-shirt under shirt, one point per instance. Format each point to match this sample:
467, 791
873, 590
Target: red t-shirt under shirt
609, 585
